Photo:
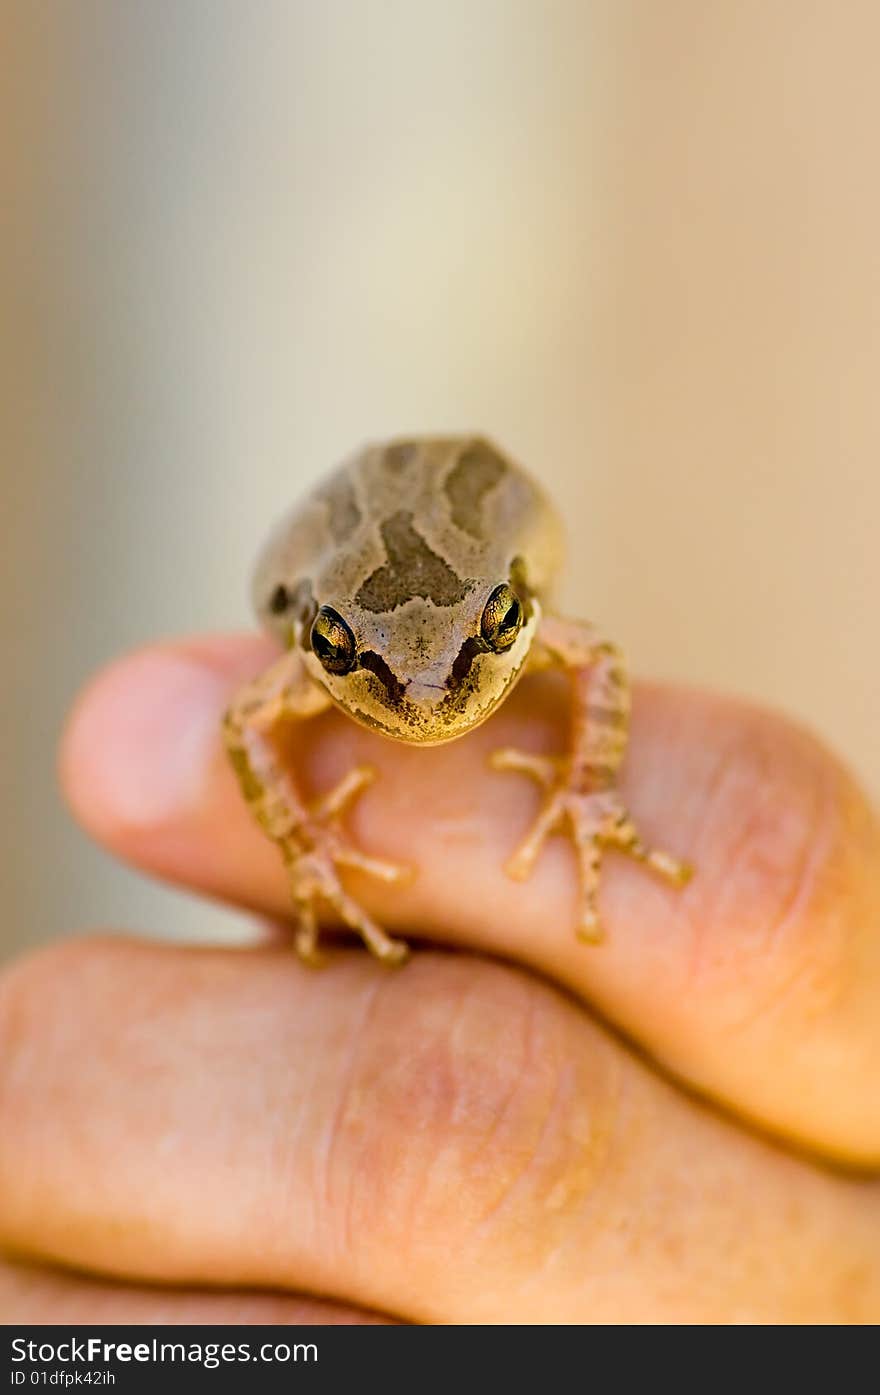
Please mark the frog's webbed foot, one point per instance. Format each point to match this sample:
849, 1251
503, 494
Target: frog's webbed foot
313, 849
580, 797
594, 819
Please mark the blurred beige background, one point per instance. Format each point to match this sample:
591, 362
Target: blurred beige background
638, 243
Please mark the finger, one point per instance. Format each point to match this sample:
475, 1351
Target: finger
457, 1143
759, 983
38, 1295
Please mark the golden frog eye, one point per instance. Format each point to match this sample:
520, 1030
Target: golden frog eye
332, 641
501, 618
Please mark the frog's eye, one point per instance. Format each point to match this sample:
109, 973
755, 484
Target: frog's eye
332, 641
501, 618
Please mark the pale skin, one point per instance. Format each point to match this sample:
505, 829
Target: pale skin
410, 589
206, 1134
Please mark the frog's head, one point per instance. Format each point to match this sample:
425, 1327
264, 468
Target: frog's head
428, 668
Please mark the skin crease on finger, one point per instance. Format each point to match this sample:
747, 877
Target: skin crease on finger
460, 1143
759, 984
35, 1294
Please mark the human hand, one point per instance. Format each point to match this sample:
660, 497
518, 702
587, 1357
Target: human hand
461, 1140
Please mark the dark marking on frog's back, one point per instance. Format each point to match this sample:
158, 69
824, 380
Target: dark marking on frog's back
477, 470
400, 455
412, 569
342, 507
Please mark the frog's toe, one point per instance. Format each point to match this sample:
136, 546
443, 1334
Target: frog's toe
374, 866
305, 940
548, 819
331, 805
589, 926
394, 954
521, 863
624, 835
543, 769
389, 951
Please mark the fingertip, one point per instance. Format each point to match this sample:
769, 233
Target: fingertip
137, 745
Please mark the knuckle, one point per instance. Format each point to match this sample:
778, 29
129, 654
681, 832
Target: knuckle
477, 1071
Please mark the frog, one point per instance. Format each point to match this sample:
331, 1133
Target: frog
411, 589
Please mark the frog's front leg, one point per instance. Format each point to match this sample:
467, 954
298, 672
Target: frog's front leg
308, 834
580, 797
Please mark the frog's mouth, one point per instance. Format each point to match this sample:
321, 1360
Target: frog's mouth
416, 726
427, 713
